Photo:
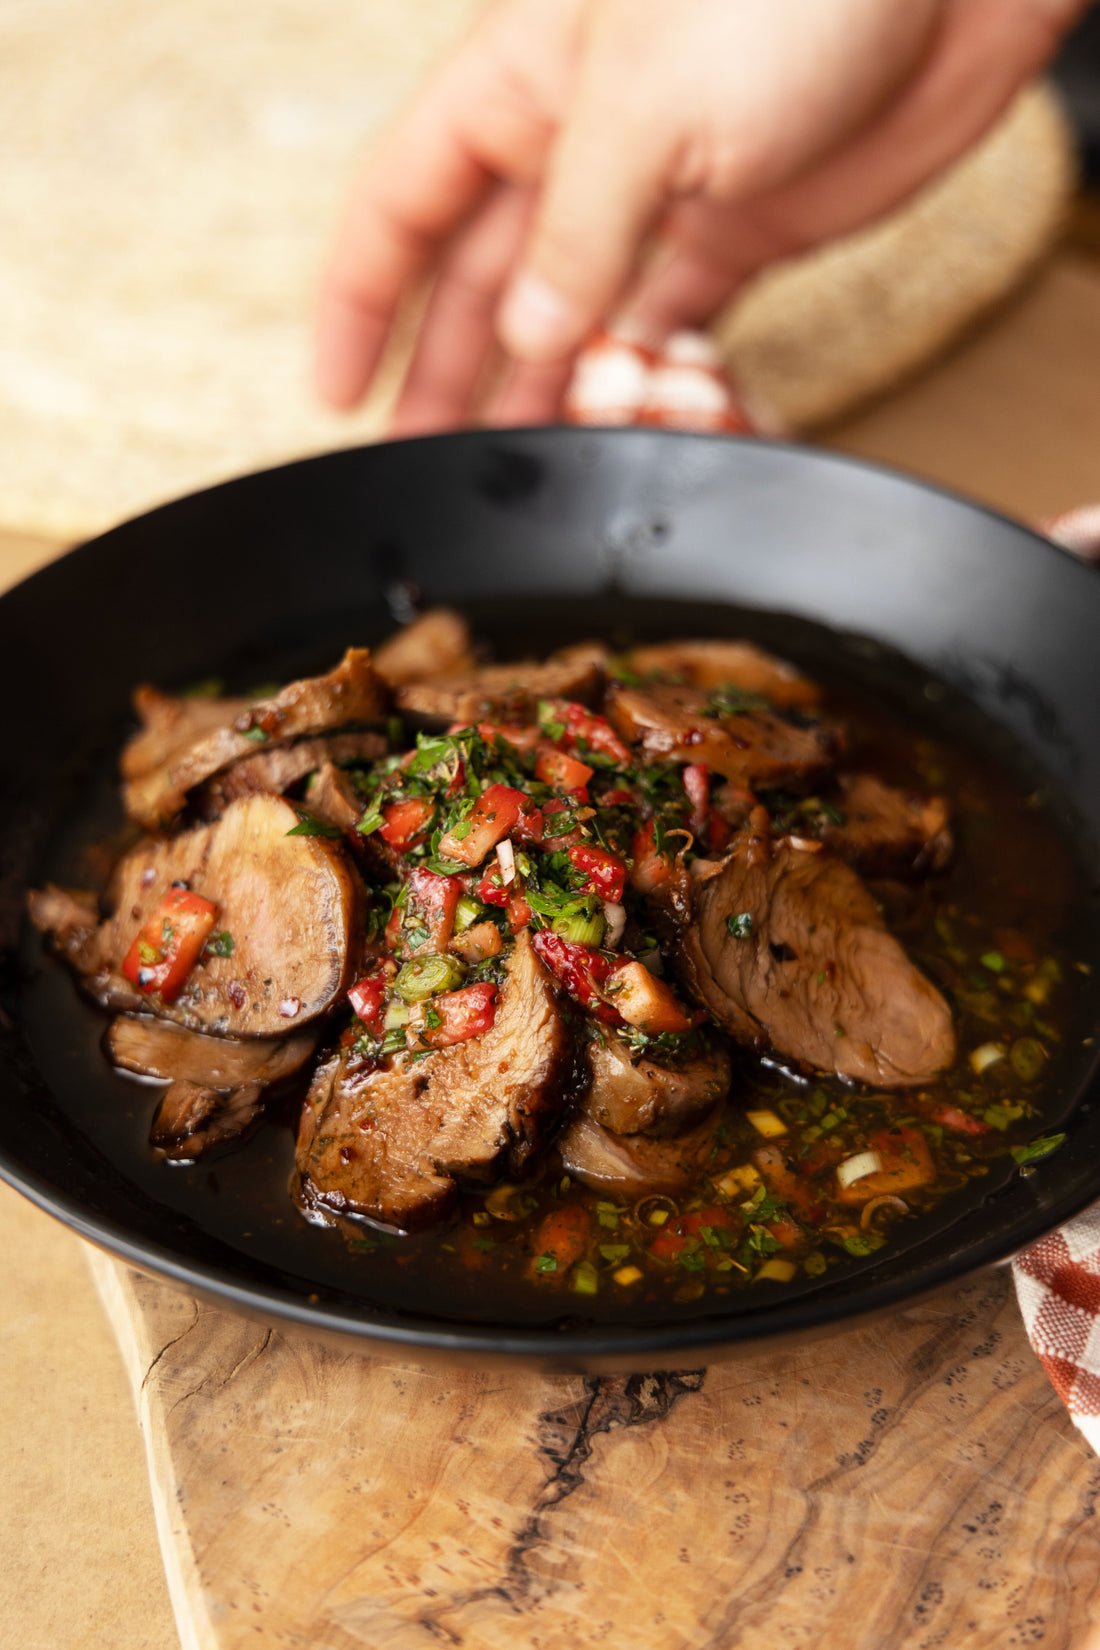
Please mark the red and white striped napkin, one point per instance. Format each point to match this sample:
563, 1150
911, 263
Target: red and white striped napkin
625, 378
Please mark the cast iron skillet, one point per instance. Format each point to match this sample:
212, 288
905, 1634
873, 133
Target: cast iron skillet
542, 535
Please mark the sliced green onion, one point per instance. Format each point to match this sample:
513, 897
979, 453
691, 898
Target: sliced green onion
467, 912
1028, 1058
428, 976
586, 1279
1035, 1149
580, 929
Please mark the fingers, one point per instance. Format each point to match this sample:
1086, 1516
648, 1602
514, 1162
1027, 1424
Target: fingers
605, 183
471, 124
529, 395
706, 252
986, 51
456, 335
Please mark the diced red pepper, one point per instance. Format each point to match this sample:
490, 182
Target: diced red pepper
428, 920
454, 1017
582, 724
580, 969
707, 824
494, 814
696, 777
618, 798
961, 1121
519, 912
782, 1179
366, 997
405, 823
168, 946
491, 890
521, 737
558, 768
785, 1230
649, 869
672, 1238
906, 1165
558, 805
646, 1002
474, 944
718, 832
528, 827
604, 873
562, 1235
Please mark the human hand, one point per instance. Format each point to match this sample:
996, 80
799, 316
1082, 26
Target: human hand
579, 156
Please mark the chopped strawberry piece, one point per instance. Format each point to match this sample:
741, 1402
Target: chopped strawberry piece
366, 997
428, 920
405, 823
558, 768
672, 1239
649, 869
582, 727
519, 912
604, 873
454, 1017
646, 1002
494, 814
696, 777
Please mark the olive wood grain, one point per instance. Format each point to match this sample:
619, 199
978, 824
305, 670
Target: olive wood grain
912, 1484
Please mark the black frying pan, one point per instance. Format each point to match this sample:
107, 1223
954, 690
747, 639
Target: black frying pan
541, 536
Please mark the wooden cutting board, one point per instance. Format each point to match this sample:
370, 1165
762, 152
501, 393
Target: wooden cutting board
913, 1484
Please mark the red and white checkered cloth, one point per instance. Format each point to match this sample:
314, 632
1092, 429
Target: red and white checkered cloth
625, 378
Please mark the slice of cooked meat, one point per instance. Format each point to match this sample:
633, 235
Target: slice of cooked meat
437, 643
290, 903
216, 1087
191, 1120
157, 1048
170, 725
352, 693
281, 767
71, 918
888, 832
727, 664
505, 693
634, 1165
786, 946
393, 1143
754, 746
633, 1094
332, 797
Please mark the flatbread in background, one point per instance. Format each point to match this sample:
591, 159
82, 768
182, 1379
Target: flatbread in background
171, 179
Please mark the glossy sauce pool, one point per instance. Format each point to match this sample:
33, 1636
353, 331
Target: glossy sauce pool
1013, 873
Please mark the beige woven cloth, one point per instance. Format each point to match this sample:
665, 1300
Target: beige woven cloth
170, 177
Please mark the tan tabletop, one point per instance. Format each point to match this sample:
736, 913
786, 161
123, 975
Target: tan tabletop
1013, 417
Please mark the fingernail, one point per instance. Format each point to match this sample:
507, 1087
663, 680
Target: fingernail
536, 323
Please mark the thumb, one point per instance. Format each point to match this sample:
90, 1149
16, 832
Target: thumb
605, 184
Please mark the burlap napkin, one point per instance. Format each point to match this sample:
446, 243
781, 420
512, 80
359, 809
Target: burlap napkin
681, 384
